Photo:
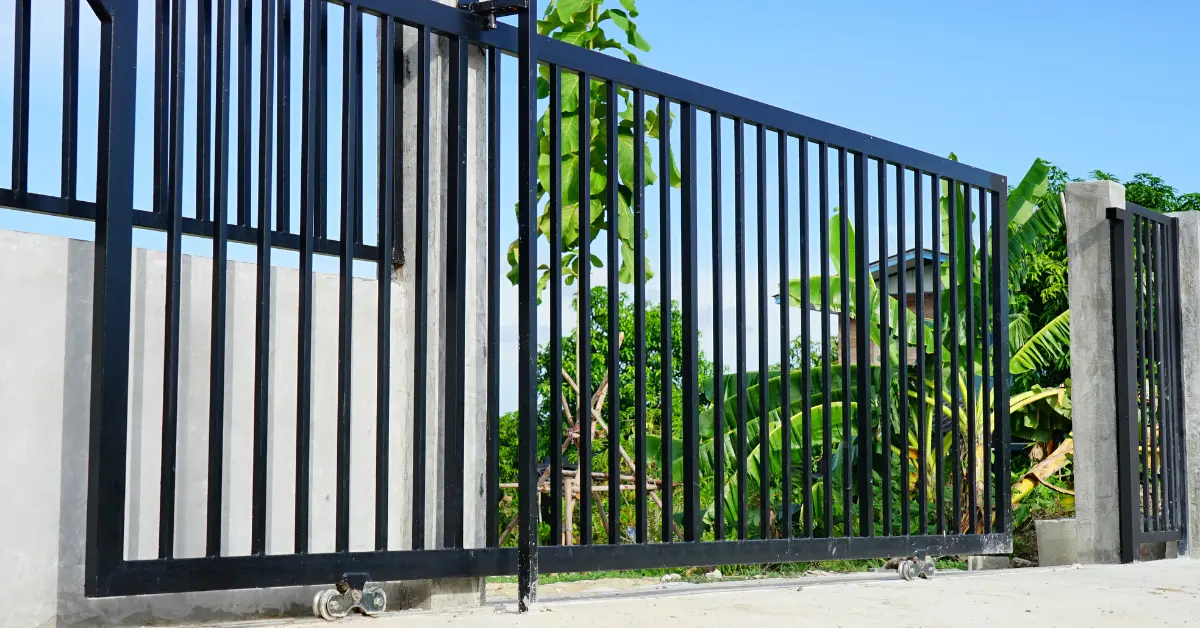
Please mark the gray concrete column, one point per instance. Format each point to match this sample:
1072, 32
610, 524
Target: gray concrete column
1093, 378
468, 591
1189, 337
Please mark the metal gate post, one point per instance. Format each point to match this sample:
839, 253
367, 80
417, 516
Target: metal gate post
105, 539
527, 477
1124, 355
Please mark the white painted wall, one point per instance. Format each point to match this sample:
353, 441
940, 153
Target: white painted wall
44, 390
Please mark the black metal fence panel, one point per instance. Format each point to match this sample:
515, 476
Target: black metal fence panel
863, 411
1146, 326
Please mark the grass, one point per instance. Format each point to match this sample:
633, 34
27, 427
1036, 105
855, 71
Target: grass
737, 572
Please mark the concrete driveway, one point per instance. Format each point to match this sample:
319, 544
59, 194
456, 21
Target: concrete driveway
1162, 593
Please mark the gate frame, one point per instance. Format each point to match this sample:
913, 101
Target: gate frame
108, 573
1125, 318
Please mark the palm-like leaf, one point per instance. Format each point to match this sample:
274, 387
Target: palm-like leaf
1045, 347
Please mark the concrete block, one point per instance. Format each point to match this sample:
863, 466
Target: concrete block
1056, 542
988, 563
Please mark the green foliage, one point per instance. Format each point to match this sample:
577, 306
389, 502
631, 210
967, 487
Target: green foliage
1048, 345
1152, 192
598, 322
587, 24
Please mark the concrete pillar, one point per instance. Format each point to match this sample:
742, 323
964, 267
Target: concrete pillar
1189, 336
465, 591
1093, 378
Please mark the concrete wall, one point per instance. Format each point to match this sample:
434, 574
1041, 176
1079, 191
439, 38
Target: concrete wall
45, 330
1189, 336
44, 395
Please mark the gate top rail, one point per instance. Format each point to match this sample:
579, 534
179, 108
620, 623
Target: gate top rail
1133, 209
448, 20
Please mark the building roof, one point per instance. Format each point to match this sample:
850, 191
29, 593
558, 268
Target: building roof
909, 259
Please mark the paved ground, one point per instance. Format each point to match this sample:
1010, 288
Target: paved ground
1164, 593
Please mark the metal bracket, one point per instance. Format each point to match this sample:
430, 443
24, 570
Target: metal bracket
489, 10
349, 594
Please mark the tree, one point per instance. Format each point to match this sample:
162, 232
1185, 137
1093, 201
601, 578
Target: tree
583, 23
627, 381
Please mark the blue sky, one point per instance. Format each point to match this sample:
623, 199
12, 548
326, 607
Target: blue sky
1086, 85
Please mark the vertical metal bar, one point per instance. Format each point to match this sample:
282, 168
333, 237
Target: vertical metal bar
939, 405
584, 305
70, 96
160, 115
1168, 392
1146, 390
1164, 395
718, 331
862, 304
1171, 468
845, 275
1140, 312
455, 382
203, 112
902, 332
785, 342
764, 414
220, 243
21, 89
321, 45
174, 210
283, 134
1001, 353
1162, 512
955, 376
969, 292
402, 73
639, 307
826, 334
493, 307
613, 359
1169, 291
388, 208
244, 88
310, 164
351, 188
922, 372
691, 327
556, 297
110, 304
885, 348
985, 384
421, 291
739, 228
1180, 431
1123, 261
664, 343
806, 340
262, 324
527, 563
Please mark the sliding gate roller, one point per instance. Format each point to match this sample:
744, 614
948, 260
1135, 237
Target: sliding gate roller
911, 569
350, 594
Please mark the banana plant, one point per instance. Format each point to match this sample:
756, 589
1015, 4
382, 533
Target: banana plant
589, 24
841, 411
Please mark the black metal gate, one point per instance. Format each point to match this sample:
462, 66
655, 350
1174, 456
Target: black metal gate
892, 443
1150, 430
